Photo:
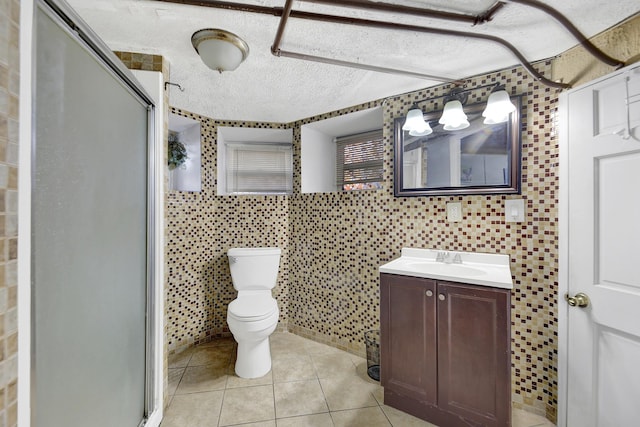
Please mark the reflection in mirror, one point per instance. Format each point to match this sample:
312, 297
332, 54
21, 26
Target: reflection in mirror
480, 159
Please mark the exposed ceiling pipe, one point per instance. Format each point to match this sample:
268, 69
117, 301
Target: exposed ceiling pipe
275, 49
414, 11
406, 27
366, 4
590, 47
349, 64
240, 7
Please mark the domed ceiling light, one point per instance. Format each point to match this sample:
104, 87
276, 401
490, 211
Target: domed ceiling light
220, 50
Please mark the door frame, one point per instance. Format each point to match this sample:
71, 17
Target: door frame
563, 243
156, 189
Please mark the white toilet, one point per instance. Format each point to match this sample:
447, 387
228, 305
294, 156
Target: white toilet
253, 315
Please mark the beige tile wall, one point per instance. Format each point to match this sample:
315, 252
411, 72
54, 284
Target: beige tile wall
334, 242
9, 103
202, 226
338, 240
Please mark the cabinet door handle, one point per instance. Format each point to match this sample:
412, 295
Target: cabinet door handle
441, 297
429, 293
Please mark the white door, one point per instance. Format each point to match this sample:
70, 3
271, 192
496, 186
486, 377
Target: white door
602, 227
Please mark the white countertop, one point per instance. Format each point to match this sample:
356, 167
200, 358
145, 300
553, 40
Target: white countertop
476, 268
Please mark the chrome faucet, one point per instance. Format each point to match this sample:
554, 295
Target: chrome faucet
448, 258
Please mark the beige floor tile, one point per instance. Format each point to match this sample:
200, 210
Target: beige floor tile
317, 420
247, 405
348, 393
365, 417
333, 365
523, 418
180, 360
234, 381
175, 375
402, 419
314, 347
378, 394
361, 370
194, 410
219, 341
293, 368
299, 398
287, 348
287, 338
218, 355
202, 378
271, 423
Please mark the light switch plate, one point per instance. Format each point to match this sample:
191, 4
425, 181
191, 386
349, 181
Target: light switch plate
514, 210
454, 211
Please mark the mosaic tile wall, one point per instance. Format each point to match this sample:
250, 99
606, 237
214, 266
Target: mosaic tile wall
9, 105
338, 240
201, 228
334, 242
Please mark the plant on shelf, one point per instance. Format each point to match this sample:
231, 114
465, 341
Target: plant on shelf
177, 152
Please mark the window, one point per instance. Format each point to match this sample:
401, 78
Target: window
359, 162
264, 167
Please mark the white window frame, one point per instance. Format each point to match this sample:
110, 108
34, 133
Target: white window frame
235, 168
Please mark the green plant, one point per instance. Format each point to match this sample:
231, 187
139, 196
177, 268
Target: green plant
177, 152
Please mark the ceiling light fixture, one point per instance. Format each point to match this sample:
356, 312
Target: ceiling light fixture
220, 50
498, 110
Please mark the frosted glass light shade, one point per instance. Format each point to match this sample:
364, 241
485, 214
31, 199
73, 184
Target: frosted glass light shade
453, 117
220, 50
499, 106
415, 124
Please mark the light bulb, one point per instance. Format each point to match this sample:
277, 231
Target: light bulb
499, 106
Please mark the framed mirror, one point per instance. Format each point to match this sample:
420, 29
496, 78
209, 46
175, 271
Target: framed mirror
481, 159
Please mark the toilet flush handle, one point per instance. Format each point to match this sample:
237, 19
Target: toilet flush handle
232, 260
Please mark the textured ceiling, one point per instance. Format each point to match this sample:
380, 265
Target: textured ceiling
267, 88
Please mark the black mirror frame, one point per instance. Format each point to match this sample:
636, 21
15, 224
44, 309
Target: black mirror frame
514, 136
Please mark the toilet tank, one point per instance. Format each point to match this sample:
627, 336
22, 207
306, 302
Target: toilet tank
254, 268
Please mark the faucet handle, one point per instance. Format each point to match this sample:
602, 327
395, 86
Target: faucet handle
457, 259
440, 257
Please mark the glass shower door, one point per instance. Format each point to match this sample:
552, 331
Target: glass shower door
89, 238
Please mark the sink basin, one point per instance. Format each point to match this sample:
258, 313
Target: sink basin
476, 268
446, 269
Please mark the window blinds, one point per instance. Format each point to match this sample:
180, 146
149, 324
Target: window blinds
359, 159
259, 168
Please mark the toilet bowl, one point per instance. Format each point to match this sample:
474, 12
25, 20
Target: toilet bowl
253, 315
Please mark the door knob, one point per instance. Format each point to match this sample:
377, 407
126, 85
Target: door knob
580, 300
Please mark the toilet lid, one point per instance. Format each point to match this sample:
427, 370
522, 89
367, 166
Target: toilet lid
252, 307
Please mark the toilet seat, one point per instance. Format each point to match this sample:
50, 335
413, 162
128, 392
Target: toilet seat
252, 308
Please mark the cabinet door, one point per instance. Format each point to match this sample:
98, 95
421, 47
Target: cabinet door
474, 359
408, 337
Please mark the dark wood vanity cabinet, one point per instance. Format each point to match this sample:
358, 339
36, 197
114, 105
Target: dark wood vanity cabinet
445, 351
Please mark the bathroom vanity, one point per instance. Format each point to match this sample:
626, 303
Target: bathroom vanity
445, 337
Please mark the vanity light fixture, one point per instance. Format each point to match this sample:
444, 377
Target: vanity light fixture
453, 116
499, 106
220, 50
498, 109
415, 123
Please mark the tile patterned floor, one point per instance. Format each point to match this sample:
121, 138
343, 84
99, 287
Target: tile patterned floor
310, 384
